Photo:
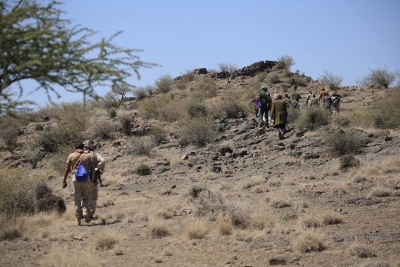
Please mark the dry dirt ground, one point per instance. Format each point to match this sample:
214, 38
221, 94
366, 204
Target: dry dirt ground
264, 202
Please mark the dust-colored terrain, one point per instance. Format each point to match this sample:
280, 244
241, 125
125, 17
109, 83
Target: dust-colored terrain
245, 199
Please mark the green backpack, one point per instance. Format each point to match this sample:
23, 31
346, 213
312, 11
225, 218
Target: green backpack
265, 97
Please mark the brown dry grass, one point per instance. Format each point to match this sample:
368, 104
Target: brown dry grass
309, 242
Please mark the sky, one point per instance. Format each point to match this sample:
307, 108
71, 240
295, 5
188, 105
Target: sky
344, 37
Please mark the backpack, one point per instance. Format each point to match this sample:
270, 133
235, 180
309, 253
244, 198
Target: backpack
81, 174
259, 104
265, 97
336, 100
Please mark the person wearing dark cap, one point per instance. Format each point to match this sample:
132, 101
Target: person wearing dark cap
265, 98
81, 188
279, 115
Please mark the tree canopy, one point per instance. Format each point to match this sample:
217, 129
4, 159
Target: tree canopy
38, 43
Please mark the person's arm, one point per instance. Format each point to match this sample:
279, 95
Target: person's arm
66, 172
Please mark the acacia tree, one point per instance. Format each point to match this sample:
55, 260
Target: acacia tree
37, 43
334, 81
379, 78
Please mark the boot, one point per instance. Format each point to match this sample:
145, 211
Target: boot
78, 221
86, 216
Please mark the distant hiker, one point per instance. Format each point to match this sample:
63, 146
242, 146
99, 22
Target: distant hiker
279, 115
314, 101
265, 97
322, 95
288, 102
294, 85
99, 164
255, 103
80, 189
308, 99
327, 101
336, 99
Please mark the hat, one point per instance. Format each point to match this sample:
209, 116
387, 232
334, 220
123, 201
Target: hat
279, 96
264, 87
88, 144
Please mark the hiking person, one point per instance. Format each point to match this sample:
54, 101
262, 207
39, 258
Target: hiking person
80, 189
265, 97
308, 99
255, 101
336, 99
99, 164
279, 115
322, 95
327, 101
288, 102
294, 84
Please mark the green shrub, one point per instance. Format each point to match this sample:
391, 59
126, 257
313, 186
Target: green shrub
126, 124
386, 112
196, 108
17, 191
158, 134
343, 142
164, 83
38, 127
231, 105
9, 130
34, 156
348, 161
103, 129
199, 131
340, 120
312, 118
149, 108
113, 113
143, 169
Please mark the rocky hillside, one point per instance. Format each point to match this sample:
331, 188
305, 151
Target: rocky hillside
327, 195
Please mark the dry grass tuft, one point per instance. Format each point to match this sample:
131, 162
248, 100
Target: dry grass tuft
106, 241
65, 257
310, 223
361, 251
331, 217
225, 226
309, 242
279, 204
380, 192
158, 229
196, 230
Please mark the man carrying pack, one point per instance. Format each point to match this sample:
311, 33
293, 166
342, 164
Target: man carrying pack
81, 188
266, 100
99, 164
336, 99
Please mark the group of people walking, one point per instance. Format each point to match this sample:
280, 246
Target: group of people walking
273, 111
84, 191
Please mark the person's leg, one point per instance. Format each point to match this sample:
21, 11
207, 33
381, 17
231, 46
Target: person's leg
94, 194
77, 194
85, 200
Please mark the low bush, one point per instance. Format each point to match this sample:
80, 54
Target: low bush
361, 251
348, 161
164, 83
126, 124
158, 134
312, 118
330, 217
158, 229
196, 108
17, 191
199, 131
103, 129
309, 242
9, 130
231, 105
343, 142
196, 230
207, 87
112, 113
140, 146
142, 170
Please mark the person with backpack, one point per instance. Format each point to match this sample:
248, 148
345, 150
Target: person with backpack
322, 95
308, 99
265, 106
99, 164
79, 163
279, 115
336, 99
327, 101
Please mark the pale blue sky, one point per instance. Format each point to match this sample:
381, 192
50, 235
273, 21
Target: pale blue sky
346, 37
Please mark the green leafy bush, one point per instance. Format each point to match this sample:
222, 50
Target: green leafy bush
143, 169
113, 113
199, 131
312, 118
164, 83
343, 142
